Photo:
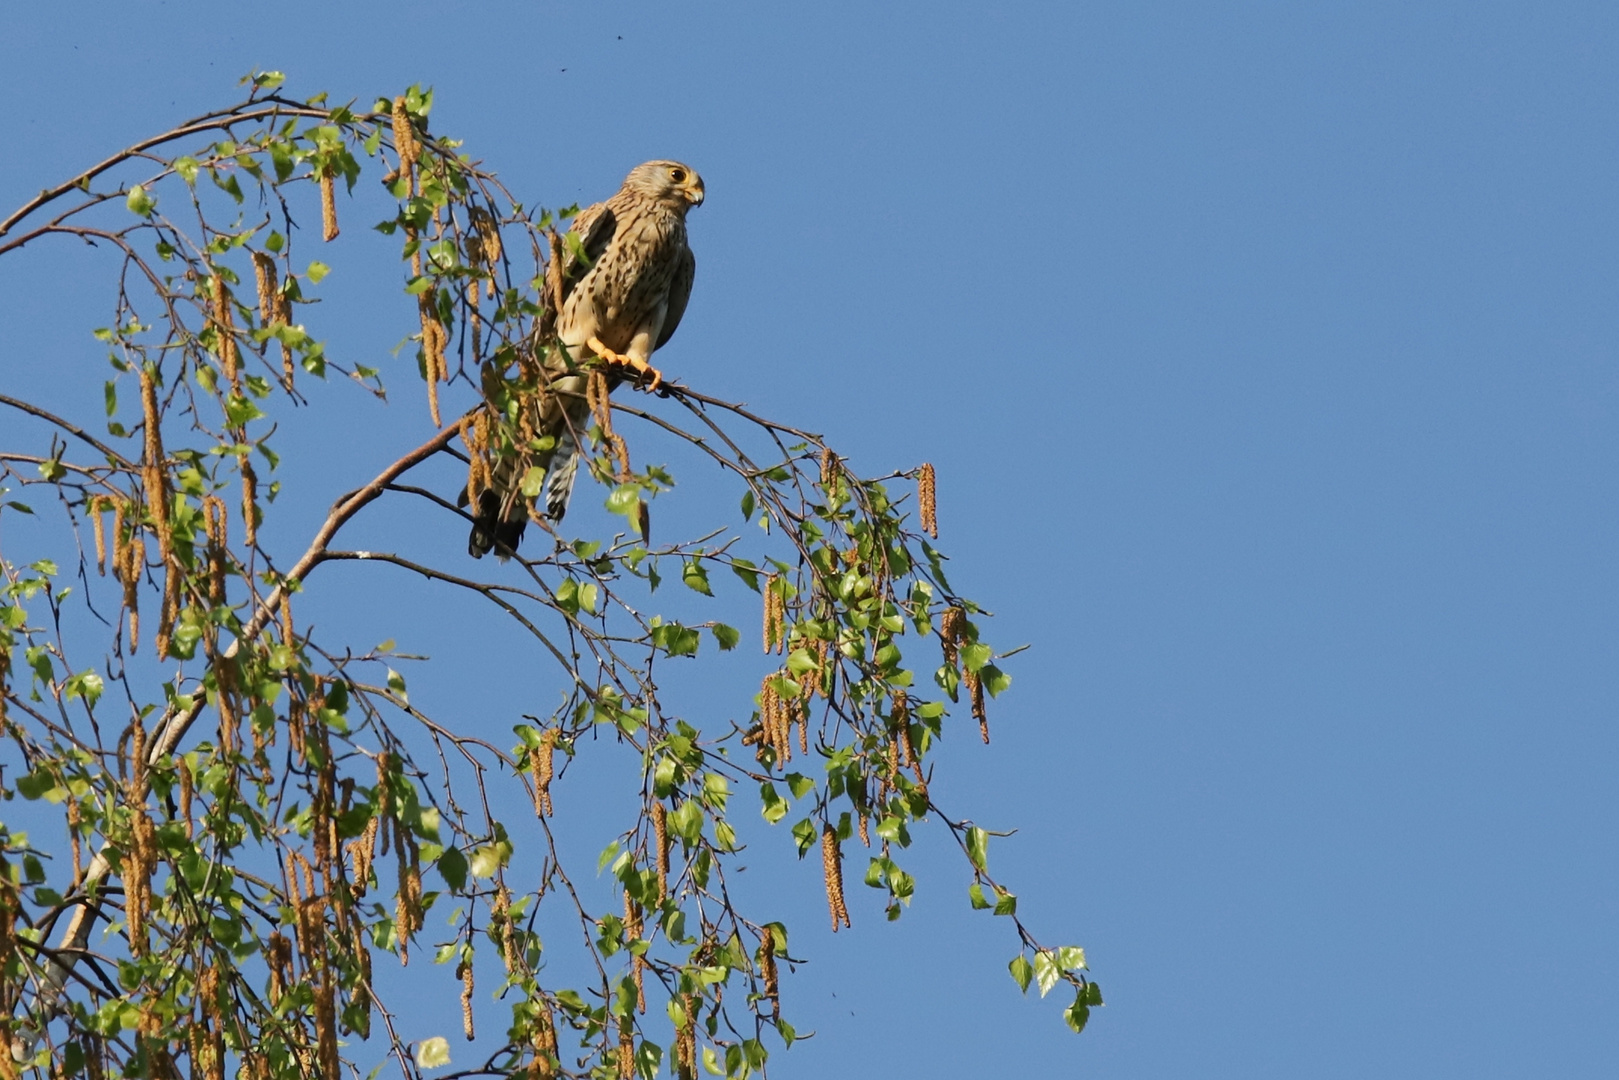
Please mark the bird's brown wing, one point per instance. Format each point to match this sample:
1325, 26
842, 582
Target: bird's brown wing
595, 225
679, 293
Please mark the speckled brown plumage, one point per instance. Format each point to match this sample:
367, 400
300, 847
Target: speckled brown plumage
627, 296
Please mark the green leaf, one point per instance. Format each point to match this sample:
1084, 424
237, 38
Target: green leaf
975, 894
726, 636
806, 835
488, 859
995, 680
317, 271
775, 807
745, 570
35, 785
396, 683
1077, 1015
676, 640
799, 785
86, 684
687, 821
695, 577
1046, 972
609, 853
975, 656
625, 500
1005, 903
1069, 958
1093, 993
139, 202
452, 867
433, 1053
1022, 972
977, 846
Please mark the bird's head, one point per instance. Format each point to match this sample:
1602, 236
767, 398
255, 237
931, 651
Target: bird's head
668, 181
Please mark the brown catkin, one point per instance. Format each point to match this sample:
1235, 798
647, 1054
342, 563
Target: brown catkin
362, 850
621, 453
660, 833
214, 524
328, 206
250, 503
500, 914
137, 561
264, 280
96, 507
155, 1035
927, 500
545, 1042
824, 666
775, 614
975, 688
384, 799
832, 869
170, 609
634, 930
433, 341
225, 327
626, 1049
487, 231
597, 398
154, 476
686, 1041
772, 718
465, 975
278, 958
289, 634
554, 283
475, 463
187, 793
408, 912
865, 833
138, 877
73, 821
541, 763
829, 468
331, 1063
405, 139
273, 307
768, 973
120, 542
951, 625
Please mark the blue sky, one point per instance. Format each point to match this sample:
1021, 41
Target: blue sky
1266, 353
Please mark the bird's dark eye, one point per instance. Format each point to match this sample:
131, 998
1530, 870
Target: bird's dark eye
678, 175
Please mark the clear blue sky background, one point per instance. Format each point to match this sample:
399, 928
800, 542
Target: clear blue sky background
1266, 352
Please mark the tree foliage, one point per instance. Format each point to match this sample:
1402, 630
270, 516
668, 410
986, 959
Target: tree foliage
261, 817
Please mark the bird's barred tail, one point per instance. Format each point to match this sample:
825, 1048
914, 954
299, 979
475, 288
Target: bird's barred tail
501, 516
560, 476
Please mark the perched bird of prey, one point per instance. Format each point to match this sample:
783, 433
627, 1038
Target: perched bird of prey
621, 304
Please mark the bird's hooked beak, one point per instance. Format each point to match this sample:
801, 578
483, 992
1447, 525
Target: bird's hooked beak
694, 195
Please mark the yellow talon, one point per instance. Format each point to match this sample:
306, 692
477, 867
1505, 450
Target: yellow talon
618, 359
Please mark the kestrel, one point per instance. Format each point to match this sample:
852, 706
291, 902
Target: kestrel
621, 304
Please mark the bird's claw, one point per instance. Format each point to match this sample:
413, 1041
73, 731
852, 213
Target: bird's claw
635, 364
